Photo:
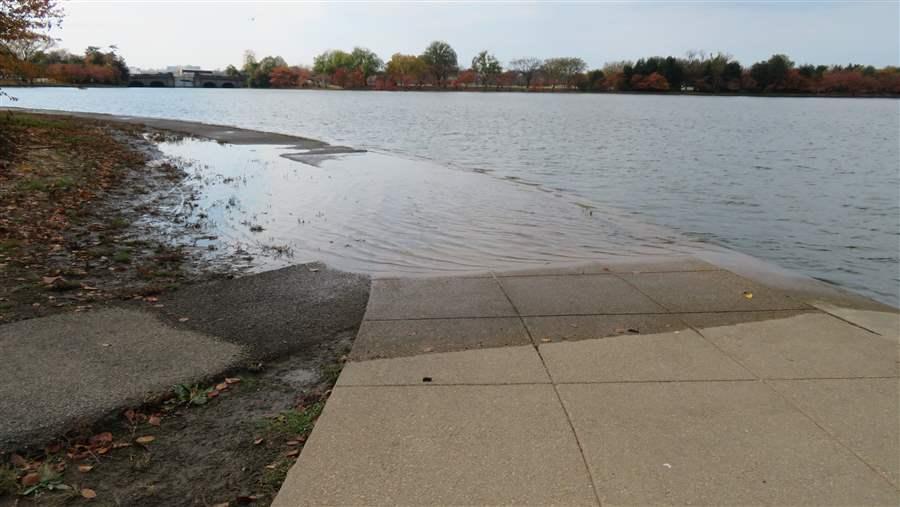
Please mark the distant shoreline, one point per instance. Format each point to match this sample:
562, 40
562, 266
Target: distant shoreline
506, 90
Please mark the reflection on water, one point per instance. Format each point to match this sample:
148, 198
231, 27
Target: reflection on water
383, 214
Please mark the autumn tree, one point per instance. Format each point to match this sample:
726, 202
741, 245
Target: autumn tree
441, 60
486, 67
23, 23
406, 69
528, 67
563, 70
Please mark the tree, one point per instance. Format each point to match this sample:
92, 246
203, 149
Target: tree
528, 67
465, 78
23, 22
563, 70
441, 59
593, 81
406, 69
332, 60
486, 67
366, 61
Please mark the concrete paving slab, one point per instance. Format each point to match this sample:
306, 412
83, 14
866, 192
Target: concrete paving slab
440, 445
718, 319
661, 265
572, 295
507, 365
437, 298
713, 443
886, 324
585, 327
810, 345
710, 291
680, 355
396, 338
63, 369
863, 414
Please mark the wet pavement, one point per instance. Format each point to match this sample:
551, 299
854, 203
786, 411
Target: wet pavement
668, 382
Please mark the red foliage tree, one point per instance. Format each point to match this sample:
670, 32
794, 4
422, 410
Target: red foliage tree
465, 78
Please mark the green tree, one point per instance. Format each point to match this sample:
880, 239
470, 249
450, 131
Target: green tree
486, 67
332, 60
441, 59
366, 61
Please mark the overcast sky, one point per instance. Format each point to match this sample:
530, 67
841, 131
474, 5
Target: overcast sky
213, 34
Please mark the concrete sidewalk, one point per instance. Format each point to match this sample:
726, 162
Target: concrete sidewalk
661, 383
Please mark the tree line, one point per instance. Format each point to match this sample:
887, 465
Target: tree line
437, 67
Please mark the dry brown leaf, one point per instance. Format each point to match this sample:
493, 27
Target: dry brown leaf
221, 387
85, 468
258, 441
101, 438
88, 493
145, 439
31, 479
154, 420
183, 319
232, 380
748, 294
292, 453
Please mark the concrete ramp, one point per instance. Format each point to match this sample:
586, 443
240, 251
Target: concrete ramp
670, 383
60, 370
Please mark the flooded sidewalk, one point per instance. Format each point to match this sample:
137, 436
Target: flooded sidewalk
668, 382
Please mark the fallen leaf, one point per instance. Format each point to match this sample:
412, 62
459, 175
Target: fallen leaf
546, 340
232, 380
101, 438
85, 468
272, 466
258, 441
154, 420
292, 453
18, 461
221, 387
292, 442
31, 479
183, 319
145, 439
88, 493
103, 450
748, 294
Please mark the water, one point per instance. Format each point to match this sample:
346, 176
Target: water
810, 184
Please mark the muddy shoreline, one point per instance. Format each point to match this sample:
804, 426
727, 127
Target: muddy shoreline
135, 246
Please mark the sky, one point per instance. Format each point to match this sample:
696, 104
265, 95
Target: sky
214, 34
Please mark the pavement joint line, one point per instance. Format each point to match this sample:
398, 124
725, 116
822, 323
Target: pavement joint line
696, 330
605, 273
717, 312
559, 400
826, 312
602, 382
830, 435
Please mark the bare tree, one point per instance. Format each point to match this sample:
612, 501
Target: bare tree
527, 67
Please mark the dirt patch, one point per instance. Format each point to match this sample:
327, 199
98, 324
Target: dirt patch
74, 232
228, 443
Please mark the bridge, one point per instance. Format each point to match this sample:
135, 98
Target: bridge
158, 80
194, 79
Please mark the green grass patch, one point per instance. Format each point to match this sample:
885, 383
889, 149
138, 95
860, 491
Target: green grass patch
35, 121
122, 256
9, 483
45, 184
297, 422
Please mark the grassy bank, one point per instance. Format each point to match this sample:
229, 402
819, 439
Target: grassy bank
70, 191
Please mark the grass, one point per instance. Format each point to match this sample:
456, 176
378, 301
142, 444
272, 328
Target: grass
122, 256
34, 121
45, 184
297, 422
9, 245
9, 483
331, 372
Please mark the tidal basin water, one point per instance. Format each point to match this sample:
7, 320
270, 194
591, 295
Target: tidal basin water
466, 180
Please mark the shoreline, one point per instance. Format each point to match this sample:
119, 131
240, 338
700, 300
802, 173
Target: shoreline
747, 265
535, 92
